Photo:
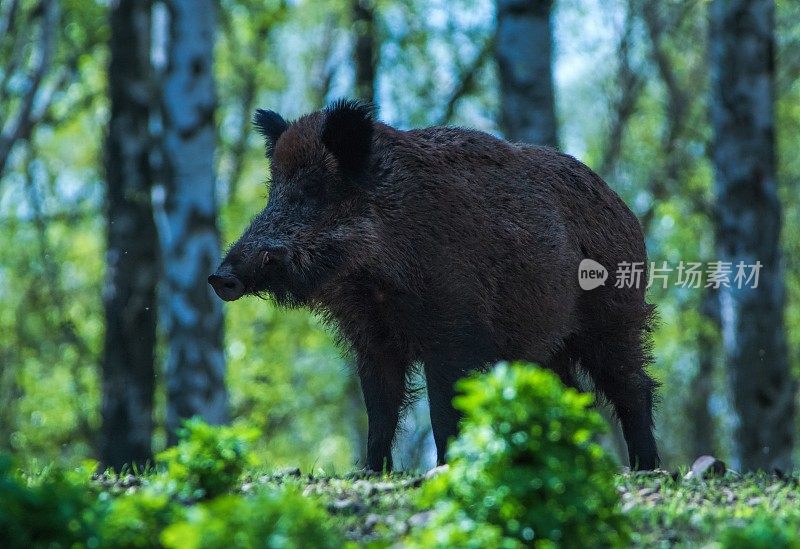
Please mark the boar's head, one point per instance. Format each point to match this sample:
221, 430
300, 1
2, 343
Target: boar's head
315, 218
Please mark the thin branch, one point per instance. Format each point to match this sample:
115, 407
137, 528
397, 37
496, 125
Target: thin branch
248, 105
325, 68
52, 270
53, 277
16, 49
466, 83
630, 84
7, 17
677, 98
21, 127
66, 217
665, 182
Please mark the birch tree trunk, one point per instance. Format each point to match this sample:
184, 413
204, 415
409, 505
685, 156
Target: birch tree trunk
195, 371
748, 227
524, 52
132, 255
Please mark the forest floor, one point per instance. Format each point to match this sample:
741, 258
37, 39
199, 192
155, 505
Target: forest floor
666, 509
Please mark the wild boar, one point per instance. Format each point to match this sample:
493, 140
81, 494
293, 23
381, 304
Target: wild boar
451, 249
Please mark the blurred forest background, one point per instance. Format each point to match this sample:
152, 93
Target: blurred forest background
127, 159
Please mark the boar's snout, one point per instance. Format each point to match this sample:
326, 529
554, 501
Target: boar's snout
226, 285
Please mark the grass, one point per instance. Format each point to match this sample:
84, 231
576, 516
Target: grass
369, 508
666, 509
669, 510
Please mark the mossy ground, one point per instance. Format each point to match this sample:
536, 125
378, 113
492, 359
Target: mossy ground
666, 509
669, 510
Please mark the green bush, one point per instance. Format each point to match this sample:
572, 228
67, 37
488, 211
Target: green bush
137, 520
53, 510
452, 527
525, 469
281, 518
208, 460
761, 533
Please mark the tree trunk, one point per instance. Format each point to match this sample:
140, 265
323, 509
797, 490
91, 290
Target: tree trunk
748, 224
523, 50
132, 260
701, 425
195, 372
364, 50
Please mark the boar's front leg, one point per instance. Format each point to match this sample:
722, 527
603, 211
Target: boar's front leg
383, 382
470, 349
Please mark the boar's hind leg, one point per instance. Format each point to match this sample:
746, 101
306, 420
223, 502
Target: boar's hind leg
383, 382
632, 399
444, 418
563, 364
614, 352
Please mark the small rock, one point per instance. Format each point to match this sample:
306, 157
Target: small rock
436, 471
644, 492
362, 474
370, 522
342, 504
707, 467
415, 482
365, 487
290, 472
130, 480
401, 528
383, 487
420, 519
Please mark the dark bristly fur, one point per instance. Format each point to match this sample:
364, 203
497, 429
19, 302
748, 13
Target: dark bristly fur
451, 248
271, 125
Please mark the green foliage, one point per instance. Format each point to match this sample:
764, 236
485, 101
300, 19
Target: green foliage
280, 518
136, 520
62, 508
693, 513
453, 526
527, 466
53, 510
208, 460
762, 533
51, 220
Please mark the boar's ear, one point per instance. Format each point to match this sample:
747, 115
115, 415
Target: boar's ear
271, 125
347, 134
